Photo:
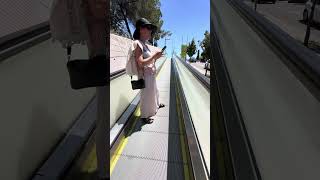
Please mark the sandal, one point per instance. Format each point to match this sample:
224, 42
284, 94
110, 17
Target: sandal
147, 120
161, 105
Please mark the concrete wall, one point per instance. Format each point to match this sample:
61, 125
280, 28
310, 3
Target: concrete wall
37, 106
16, 15
119, 47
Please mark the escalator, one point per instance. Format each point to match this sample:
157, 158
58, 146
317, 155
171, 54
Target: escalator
168, 148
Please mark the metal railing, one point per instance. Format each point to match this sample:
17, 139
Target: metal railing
16, 42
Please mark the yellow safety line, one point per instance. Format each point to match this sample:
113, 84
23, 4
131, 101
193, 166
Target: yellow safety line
122, 144
90, 164
183, 147
124, 140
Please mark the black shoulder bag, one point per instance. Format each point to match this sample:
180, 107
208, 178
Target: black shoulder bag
86, 73
137, 84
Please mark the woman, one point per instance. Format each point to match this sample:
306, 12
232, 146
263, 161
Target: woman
97, 21
149, 101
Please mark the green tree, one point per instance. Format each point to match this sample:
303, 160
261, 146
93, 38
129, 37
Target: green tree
134, 10
191, 49
183, 53
205, 46
117, 19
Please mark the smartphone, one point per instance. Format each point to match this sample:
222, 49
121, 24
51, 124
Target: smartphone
164, 48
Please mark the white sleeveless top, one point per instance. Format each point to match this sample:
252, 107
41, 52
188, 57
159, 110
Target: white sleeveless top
149, 68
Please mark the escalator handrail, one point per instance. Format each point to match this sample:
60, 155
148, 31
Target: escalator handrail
243, 161
199, 167
16, 42
205, 81
117, 74
68, 144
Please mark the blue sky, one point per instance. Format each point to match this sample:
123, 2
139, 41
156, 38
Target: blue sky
186, 19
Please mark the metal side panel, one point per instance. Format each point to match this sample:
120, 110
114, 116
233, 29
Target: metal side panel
196, 158
194, 89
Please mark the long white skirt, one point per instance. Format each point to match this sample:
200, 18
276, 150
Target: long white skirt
149, 101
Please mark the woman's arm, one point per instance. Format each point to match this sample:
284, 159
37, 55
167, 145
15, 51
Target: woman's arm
139, 57
97, 24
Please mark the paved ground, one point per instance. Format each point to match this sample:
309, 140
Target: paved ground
288, 17
199, 66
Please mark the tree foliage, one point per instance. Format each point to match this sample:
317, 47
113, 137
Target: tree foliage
117, 23
183, 53
205, 46
191, 49
134, 10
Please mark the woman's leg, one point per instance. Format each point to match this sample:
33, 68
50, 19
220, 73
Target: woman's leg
144, 104
159, 104
102, 136
148, 100
97, 21
157, 92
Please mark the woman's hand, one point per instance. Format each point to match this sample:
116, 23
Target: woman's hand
157, 55
146, 61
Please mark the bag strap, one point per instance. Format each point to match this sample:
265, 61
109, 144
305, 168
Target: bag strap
137, 65
131, 62
146, 48
131, 66
69, 53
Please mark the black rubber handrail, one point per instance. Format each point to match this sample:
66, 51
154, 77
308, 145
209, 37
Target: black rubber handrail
16, 42
199, 168
117, 74
23, 35
64, 143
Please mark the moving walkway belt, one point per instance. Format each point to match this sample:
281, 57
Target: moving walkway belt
192, 160
153, 151
190, 169
86, 159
